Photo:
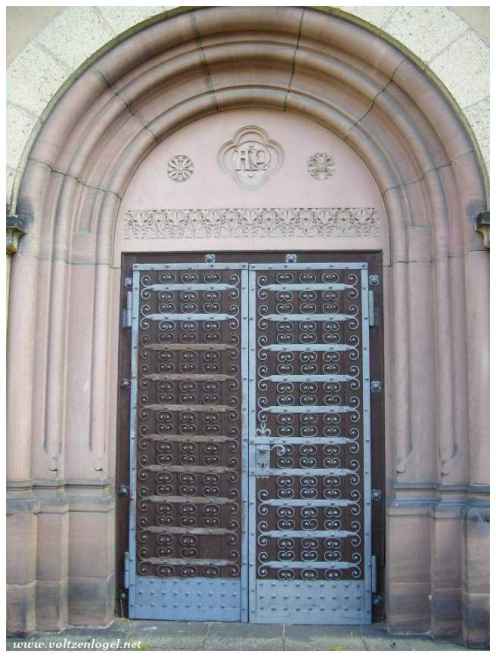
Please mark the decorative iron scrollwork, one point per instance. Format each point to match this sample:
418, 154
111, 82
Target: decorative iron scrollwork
188, 507
309, 409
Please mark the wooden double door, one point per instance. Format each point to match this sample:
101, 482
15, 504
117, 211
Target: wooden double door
249, 416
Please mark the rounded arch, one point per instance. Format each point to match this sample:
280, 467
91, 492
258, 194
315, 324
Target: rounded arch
439, 38
212, 60
389, 84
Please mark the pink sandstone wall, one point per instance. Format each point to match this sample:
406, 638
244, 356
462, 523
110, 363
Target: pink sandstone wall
313, 82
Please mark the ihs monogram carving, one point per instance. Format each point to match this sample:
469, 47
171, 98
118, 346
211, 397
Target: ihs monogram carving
180, 168
251, 157
252, 222
321, 166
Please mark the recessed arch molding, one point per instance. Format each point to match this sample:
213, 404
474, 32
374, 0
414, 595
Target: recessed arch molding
172, 73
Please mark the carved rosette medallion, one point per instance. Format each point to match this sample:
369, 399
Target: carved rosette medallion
180, 168
321, 166
251, 157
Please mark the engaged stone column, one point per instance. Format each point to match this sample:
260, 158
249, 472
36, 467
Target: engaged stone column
21, 506
476, 522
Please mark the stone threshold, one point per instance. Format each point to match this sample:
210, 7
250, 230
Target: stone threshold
124, 634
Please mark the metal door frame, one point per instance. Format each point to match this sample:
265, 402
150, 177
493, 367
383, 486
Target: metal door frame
254, 258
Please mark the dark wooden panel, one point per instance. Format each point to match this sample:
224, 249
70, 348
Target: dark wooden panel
342, 429
188, 514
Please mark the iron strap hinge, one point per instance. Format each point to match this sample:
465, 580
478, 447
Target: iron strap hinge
377, 598
372, 318
376, 495
374, 281
127, 311
375, 386
373, 574
126, 570
123, 490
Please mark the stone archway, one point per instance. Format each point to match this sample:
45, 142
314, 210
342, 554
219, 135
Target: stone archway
65, 282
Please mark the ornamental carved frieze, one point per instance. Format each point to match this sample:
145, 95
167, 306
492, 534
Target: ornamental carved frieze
250, 157
251, 222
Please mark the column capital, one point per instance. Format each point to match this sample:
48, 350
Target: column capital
483, 225
16, 227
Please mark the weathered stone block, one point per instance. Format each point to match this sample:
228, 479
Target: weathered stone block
476, 620
21, 617
91, 600
91, 545
51, 605
425, 30
408, 607
446, 612
464, 69
21, 548
53, 545
477, 536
